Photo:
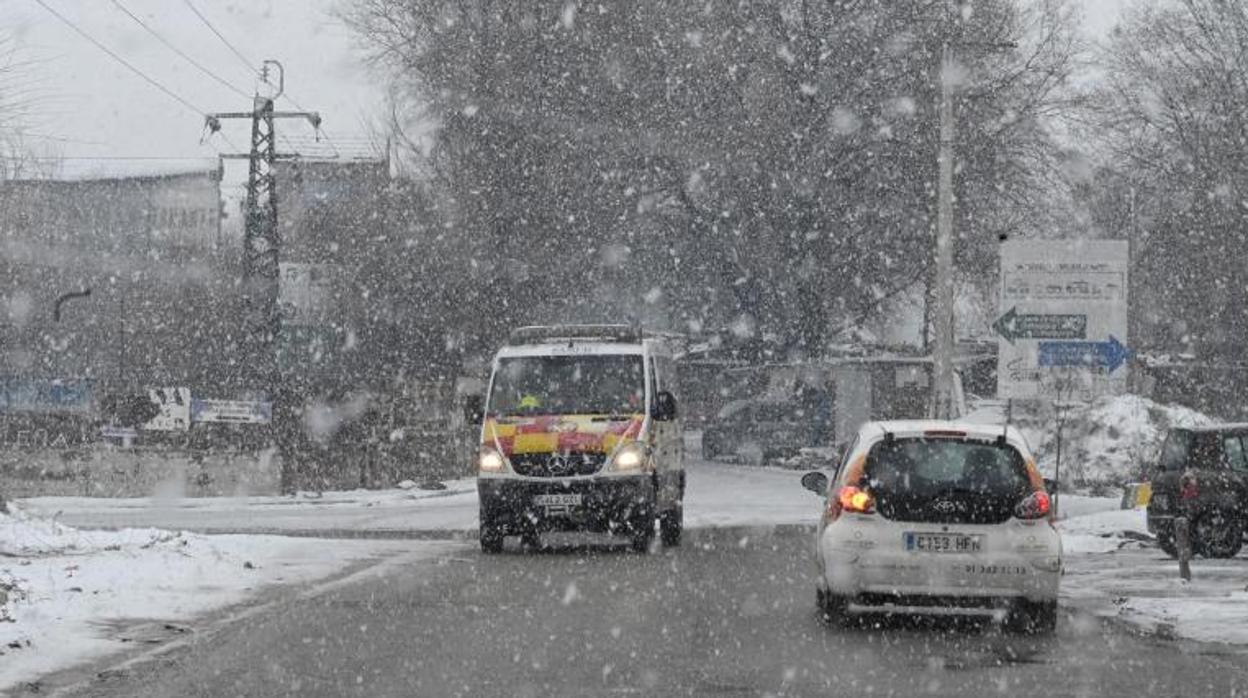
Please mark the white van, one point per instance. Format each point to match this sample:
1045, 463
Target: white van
580, 432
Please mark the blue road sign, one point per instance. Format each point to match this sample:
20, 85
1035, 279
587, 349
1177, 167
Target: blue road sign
1110, 354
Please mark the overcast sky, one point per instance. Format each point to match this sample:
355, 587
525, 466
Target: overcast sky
90, 106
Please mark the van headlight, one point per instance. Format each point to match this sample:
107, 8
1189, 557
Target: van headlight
490, 460
631, 457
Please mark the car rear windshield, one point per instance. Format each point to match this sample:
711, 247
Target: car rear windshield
938, 465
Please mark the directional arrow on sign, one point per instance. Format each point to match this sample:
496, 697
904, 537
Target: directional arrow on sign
1110, 354
1014, 326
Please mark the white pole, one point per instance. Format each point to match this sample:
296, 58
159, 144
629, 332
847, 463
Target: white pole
942, 318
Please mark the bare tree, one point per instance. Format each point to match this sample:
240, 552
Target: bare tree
18, 100
1171, 122
767, 166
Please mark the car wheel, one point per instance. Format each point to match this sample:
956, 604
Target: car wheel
671, 524
1033, 617
491, 540
642, 534
833, 608
1218, 535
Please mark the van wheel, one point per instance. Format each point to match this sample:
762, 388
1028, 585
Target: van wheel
671, 523
491, 540
1218, 535
643, 534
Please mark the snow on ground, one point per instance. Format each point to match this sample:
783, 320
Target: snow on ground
724, 495
69, 596
1113, 571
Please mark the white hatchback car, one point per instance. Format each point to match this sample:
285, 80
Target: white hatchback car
936, 517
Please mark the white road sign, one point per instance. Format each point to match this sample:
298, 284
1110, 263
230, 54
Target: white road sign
1062, 325
175, 409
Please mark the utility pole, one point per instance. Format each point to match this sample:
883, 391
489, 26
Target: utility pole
262, 243
941, 298
261, 236
942, 295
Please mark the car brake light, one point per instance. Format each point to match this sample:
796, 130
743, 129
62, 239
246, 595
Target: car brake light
1037, 505
944, 434
855, 500
1189, 487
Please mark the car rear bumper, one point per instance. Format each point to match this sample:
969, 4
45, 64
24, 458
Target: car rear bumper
865, 560
607, 504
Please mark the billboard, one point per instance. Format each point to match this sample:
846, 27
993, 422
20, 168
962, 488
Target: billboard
45, 395
1062, 325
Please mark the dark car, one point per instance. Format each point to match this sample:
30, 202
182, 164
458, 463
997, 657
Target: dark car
771, 429
1202, 474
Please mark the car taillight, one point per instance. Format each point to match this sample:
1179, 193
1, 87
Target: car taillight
1189, 488
1037, 505
855, 500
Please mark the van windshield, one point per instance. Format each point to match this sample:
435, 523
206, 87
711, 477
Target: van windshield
583, 384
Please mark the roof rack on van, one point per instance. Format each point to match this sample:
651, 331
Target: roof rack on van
570, 333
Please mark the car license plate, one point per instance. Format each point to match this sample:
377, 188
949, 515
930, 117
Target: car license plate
557, 500
943, 542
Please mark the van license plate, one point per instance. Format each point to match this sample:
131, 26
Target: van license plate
943, 542
557, 500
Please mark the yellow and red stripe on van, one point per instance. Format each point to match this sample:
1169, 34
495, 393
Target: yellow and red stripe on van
559, 433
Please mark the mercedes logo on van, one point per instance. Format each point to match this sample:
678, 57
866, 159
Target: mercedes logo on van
944, 506
559, 465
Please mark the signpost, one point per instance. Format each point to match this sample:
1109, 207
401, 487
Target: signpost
1012, 326
1063, 328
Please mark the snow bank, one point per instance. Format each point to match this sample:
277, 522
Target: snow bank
69, 596
1105, 443
1111, 441
1113, 570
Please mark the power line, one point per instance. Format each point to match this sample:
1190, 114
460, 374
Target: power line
322, 131
151, 81
179, 51
251, 66
92, 158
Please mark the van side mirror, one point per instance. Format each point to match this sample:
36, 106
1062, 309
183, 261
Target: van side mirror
816, 482
664, 408
474, 409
